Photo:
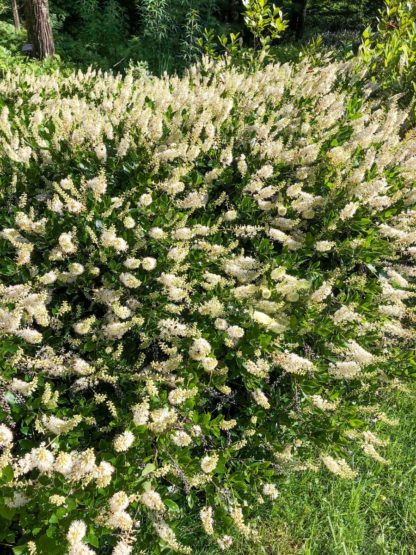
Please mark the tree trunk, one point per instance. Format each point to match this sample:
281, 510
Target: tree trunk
16, 17
39, 28
297, 18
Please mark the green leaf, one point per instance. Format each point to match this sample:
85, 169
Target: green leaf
355, 422
6, 474
7, 513
92, 539
150, 467
172, 506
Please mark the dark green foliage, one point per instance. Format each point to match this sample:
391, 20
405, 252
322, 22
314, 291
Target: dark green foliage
169, 30
109, 33
166, 34
327, 15
90, 31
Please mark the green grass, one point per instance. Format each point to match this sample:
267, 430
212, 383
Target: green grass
374, 514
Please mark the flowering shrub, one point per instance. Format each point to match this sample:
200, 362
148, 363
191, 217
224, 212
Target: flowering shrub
204, 281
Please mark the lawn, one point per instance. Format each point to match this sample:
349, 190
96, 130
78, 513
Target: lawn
375, 514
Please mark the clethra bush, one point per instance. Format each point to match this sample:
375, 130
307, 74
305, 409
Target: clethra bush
205, 281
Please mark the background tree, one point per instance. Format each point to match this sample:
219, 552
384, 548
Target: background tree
298, 17
39, 28
16, 17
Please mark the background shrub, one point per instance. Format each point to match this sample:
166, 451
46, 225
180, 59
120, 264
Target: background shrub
389, 53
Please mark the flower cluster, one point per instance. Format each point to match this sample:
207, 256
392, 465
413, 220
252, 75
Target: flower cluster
204, 280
